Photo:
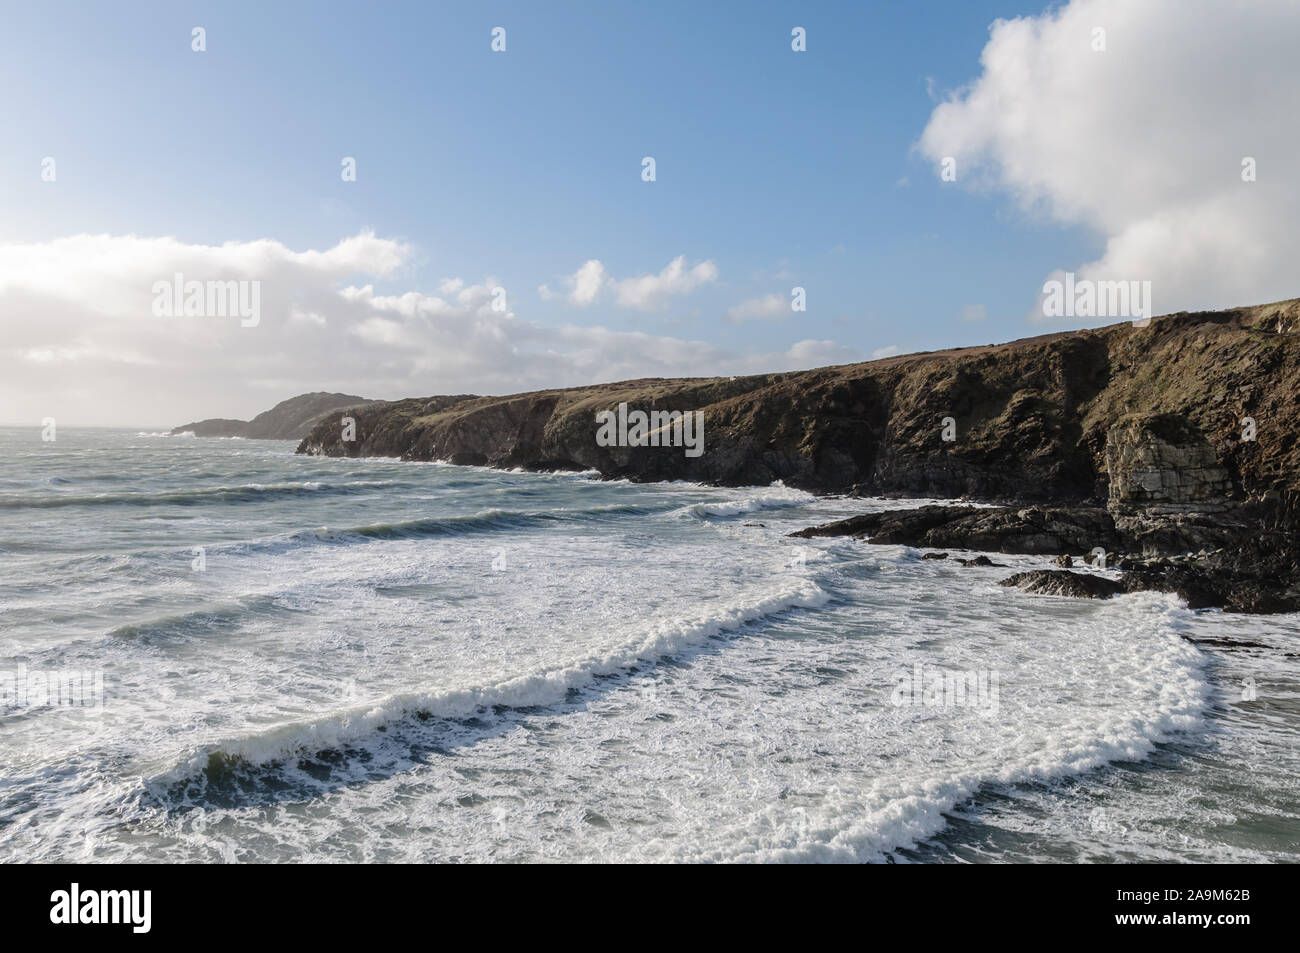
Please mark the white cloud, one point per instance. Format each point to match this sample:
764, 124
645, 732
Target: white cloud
645, 293
587, 282
79, 341
649, 291
1144, 143
810, 353
974, 313
881, 352
772, 306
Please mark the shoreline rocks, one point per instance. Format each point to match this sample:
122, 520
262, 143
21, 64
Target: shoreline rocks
1033, 530
1062, 582
1259, 571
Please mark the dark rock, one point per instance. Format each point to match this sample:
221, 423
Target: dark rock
978, 561
1010, 529
1260, 574
1064, 561
935, 556
1060, 582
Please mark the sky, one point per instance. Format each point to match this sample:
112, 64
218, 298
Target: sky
500, 235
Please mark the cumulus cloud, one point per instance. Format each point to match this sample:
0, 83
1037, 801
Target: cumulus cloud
592, 282
770, 307
81, 341
1144, 142
588, 282
810, 353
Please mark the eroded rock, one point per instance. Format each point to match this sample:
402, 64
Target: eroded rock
1062, 582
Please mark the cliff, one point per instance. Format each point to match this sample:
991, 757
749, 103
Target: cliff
290, 419
1140, 418
1177, 443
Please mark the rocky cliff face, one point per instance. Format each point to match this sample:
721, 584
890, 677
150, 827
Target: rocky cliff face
1160, 463
1176, 444
1149, 420
290, 419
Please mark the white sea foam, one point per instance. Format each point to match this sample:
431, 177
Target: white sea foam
778, 496
648, 642
615, 671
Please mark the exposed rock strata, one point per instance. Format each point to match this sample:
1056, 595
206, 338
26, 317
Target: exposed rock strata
1062, 582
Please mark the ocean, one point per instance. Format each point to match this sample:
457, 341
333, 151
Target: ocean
216, 650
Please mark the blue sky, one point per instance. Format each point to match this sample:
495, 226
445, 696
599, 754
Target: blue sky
780, 168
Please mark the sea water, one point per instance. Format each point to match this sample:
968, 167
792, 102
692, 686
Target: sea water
217, 650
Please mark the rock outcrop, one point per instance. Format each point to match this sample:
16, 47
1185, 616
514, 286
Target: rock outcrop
1062, 582
290, 419
1031, 530
1160, 463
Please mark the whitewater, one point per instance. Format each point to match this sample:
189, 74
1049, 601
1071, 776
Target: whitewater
315, 659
